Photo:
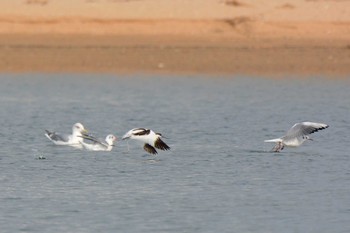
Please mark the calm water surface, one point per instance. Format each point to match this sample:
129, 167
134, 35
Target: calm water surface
218, 177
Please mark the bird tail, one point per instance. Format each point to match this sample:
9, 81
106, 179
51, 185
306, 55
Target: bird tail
48, 134
274, 140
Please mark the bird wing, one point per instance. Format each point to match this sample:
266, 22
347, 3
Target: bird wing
161, 145
141, 131
303, 129
57, 137
150, 149
94, 140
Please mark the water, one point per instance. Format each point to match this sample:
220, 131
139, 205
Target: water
217, 177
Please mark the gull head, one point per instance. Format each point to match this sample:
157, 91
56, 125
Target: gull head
110, 139
78, 129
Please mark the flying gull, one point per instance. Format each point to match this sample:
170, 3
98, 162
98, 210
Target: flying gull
297, 135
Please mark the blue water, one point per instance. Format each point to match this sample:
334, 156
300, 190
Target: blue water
219, 175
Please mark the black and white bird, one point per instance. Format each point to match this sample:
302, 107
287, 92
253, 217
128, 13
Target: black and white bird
98, 144
297, 135
73, 139
151, 139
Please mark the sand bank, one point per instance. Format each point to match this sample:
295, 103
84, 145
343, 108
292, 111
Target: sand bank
303, 37
173, 54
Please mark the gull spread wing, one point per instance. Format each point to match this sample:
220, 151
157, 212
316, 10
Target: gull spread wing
303, 129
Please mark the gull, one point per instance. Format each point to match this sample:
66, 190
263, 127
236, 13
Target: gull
297, 135
73, 139
98, 144
151, 139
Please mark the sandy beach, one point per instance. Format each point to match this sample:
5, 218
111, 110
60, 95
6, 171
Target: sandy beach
278, 38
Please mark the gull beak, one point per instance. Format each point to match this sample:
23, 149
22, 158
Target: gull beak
85, 132
126, 136
86, 136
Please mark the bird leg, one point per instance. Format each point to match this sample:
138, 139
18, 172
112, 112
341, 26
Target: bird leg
278, 147
127, 143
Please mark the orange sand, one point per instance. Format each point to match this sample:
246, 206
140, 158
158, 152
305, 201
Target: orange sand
277, 37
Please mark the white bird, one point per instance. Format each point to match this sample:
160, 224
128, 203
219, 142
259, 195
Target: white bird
73, 139
297, 135
98, 144
151, 139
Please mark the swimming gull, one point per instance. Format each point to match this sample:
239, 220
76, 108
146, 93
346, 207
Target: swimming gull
73, 139
98, 144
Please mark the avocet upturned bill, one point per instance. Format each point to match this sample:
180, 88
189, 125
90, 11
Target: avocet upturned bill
151, 139
297, 135
98, 144
73, 139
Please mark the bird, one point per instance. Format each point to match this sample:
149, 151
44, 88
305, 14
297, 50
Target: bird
98, 144
297, 135
73, 139
151, 139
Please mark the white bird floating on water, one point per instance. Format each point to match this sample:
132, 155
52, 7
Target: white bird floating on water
73, 139
297, 135
151, 139
98, 144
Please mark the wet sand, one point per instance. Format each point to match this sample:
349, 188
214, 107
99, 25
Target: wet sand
173, 54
